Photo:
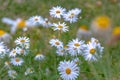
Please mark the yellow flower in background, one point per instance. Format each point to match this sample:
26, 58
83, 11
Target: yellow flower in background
84, 27
116, 30
4, 36
21, 23
115, 37
102, 22
83, 32
101, 27
15, 24
2, 32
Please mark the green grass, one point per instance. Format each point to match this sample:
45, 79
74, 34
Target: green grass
106, 69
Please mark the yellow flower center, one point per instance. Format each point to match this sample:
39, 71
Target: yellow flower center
92, 51
17, 60
72, 15
103, 21
21, 24
68, 71
46, 22
60, 26
22, 41
22, 51
57, 43
13, 74
7, 63
2, 32
116, 31
97, 41
62, 51
66, 47
77, 44
58, 11
84, 27
88, 42
77, 62
14, 52
36, 19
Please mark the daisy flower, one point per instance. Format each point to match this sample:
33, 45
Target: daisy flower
15, 24
75, 11
22, 41
3, 50
22, 51
69, 17
57, 11
72, 15
93, 52
56, 42
68, 70
17, 61
96, 42
46, 23
13, 52
60, 26
61, 51
36, 20
7, 64
29, 71
76, 45
12, 74
39, 57
76, 60
72, 51
4, 36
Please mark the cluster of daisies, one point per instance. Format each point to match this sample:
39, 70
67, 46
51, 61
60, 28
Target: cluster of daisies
16, 56
68, 69
91, 51
56, 12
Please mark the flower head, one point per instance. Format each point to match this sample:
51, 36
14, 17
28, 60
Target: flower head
36, 20
7, 64
17, 61
3, 50
75, 46
15, 24
60, 26
102, 21
68, 70
22, 51
13, 52
22, 41
4, 36
12, 74
56, 42
46, 23
116, 31
57, 11
72, 15
39, 57
93, 51
61, 51
29, 71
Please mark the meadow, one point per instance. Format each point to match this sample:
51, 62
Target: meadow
106, 68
